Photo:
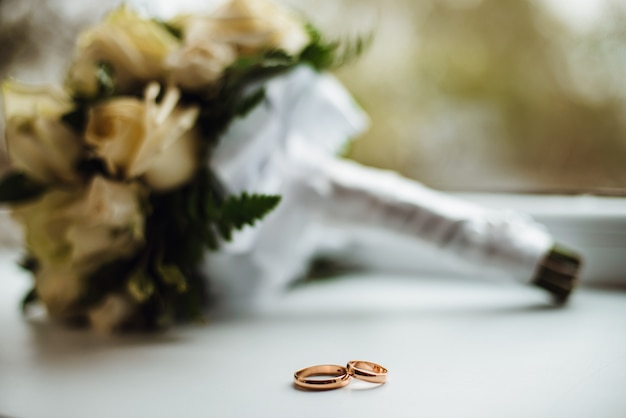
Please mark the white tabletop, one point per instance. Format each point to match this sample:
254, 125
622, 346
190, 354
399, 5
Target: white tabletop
453, 349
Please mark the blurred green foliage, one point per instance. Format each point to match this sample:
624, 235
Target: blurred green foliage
494, 95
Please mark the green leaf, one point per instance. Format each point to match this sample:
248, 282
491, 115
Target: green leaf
141, 285
175, 31
325, 55
172, 275
105, 279
250, 102
92, 167
17, 187
247, 70
105, 75
28, 299
210, 239
29, 263
76, 119
225, 229
105, 79
246, 209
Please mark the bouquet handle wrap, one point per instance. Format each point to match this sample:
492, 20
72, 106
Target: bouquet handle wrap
289, 145
498, 239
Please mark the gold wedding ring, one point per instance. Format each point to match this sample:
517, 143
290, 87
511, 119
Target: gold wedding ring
338, 377
368, 371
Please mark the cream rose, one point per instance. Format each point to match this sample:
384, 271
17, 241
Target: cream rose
252, 25
200, 63
135, 47
60, 289
72, 233
38, 143
240, 27
145, 138
113, 312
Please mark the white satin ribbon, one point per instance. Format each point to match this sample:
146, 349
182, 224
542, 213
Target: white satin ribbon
288, 146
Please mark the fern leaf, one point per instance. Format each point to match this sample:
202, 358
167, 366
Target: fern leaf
246, 209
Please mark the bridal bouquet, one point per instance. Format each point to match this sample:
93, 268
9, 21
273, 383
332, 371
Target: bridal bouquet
111, 178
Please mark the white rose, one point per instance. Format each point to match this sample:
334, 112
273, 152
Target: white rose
137, 138
38, 143
135, 47
72, 233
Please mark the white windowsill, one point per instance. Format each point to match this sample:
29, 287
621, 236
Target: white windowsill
453, 347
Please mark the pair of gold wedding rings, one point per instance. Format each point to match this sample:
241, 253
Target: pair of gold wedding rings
339, 376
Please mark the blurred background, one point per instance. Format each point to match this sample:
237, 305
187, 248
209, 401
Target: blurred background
464, 95
495, 95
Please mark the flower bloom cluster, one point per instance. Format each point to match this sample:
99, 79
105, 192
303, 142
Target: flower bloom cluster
143, 139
